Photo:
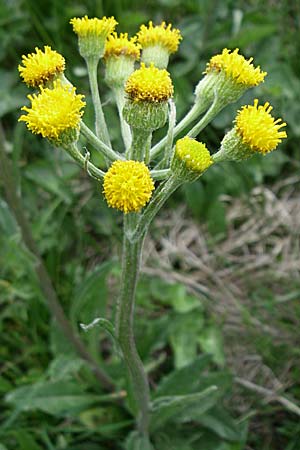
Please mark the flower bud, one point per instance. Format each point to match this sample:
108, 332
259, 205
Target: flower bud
92, 34
119, 57
41, 67
255, 131
128, 186
158, 42
191, 159
228, 76
55, 114
148, 90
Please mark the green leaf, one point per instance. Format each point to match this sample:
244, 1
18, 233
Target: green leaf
90, 297
8, 225
167, 408
184, 380
64, 366
137, 442
56, 398
211, 341
220, 422
184, 333
26, 441
44, 176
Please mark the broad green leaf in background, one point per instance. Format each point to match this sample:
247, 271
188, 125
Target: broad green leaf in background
26, 441
56, 398
168, 408
211, 341
184, 380
89, 299
184, 334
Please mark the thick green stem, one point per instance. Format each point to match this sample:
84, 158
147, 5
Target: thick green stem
165, 162
210, 114
100, 123
140, 146
161, 174
191, 116
84, 162
125, 128
124, 324
102, 148
161, 194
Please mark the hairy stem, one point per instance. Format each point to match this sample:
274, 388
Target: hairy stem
191, 116
160, 196
46, 286
124, 324
125, 128
84, 162
140, 146
100, 123
102, 148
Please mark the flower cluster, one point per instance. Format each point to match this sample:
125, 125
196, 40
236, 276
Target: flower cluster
143, 94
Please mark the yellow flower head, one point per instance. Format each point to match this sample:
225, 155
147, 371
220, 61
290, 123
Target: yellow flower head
161, 34
258, 129
54, 112
118, 46
149, 84
128, 185
237, 68
85, 27
193, 154
41, 66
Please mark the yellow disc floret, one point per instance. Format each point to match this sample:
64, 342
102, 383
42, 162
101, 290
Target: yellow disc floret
149, 84
161, 34
236, 67
41, 66
193, 154
85, 27
54, 111
118, 46
258, 129
128, 185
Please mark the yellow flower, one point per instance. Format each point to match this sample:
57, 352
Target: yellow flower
54, 113
149, 84
85, 27
128, 186
161, 34
236, 67
41, 66
258, 129
191, 158
122, 46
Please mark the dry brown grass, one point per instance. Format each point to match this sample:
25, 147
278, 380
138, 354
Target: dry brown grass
249, 279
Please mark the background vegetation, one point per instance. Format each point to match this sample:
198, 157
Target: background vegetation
219, 299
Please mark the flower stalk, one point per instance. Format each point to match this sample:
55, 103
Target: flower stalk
131, 259
125, 128
100, 122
